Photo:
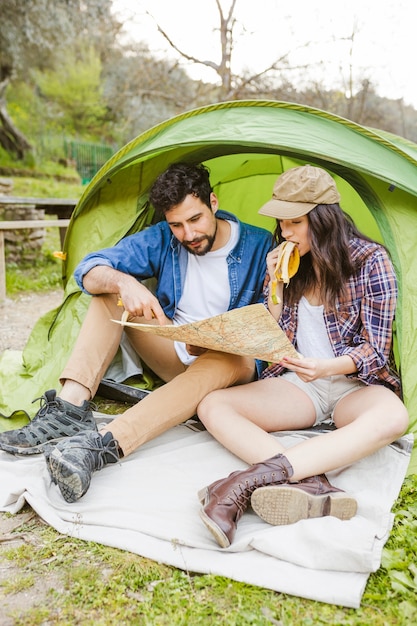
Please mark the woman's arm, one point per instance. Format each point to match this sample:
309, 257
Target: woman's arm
370, 346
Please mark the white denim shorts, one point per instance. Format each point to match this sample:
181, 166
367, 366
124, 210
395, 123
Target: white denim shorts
325, 393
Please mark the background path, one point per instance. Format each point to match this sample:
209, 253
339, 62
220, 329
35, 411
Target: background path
18, 316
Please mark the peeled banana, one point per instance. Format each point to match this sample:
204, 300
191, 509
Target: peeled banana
287, 265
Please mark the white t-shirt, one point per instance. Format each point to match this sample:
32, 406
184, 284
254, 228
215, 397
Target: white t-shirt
206, 290
312, 337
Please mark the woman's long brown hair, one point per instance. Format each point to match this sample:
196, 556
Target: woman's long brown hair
329, 231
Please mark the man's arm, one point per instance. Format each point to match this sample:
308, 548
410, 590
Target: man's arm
136, 298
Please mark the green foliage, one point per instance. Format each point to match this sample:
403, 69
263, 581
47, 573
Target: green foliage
31, 30
25, 108
44, 274
49, 187
73, 90
37, 36
398, 558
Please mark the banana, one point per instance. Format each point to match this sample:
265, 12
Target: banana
125, 313
287, 265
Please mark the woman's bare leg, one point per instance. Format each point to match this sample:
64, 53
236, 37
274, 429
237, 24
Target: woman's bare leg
241, 419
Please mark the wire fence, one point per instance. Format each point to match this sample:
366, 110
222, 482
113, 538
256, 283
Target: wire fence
88, 157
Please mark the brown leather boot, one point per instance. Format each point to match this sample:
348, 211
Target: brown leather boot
311, 497
225, 500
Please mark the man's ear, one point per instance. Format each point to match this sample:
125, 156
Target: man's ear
214, 202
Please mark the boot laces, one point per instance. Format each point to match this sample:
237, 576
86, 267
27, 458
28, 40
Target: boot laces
241, 498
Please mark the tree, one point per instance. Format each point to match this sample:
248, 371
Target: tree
355, 98
31, 32
141, 91
233, 86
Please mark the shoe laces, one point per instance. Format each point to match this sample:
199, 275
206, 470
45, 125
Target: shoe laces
96, 454
55, 403
45, 404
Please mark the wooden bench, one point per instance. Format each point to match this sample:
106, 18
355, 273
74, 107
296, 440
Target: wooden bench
16, 225
61, 207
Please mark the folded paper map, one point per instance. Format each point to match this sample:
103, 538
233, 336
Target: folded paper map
248, 331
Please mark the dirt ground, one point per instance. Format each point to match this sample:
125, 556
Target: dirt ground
19, 315
17, 318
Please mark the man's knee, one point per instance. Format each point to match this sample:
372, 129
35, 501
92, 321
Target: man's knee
232, 368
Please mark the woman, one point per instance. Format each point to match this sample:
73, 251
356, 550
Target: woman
338, 311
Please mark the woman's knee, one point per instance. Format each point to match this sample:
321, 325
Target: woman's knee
400, 420
392, 423
208, 408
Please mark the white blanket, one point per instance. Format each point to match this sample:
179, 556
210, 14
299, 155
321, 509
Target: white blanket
147, 504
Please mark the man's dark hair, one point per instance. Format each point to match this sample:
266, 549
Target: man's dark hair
178, 181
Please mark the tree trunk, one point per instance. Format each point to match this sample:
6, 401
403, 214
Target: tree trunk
11, 139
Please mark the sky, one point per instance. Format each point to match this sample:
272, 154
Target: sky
384, 48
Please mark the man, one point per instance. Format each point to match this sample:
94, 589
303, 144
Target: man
205, 262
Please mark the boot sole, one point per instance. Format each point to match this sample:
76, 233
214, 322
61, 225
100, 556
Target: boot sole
64, 474
279, 505
215, 530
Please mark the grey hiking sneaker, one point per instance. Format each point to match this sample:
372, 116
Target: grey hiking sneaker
55, 420
71, 462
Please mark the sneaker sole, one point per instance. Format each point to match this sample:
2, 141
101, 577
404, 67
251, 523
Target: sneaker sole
26, 451
64, 474
281, 505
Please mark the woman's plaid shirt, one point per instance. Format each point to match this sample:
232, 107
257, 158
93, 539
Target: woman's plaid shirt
361, 324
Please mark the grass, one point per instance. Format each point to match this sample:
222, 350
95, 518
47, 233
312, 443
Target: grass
46, 188
42, 275
97, 585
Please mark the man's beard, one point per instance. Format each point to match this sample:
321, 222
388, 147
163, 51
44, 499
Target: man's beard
202, 250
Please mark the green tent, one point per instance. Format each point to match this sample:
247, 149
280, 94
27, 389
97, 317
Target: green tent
246, 145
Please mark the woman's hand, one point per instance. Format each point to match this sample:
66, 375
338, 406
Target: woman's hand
271, 261
309, 369
274, 308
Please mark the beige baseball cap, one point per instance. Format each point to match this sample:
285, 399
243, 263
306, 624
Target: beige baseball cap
298, 190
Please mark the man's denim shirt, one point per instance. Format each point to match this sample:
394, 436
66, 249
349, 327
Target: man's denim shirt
155, 252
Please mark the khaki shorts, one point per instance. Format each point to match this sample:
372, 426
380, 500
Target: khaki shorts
325, 393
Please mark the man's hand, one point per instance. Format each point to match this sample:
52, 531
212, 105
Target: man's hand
195, 350
137, 300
